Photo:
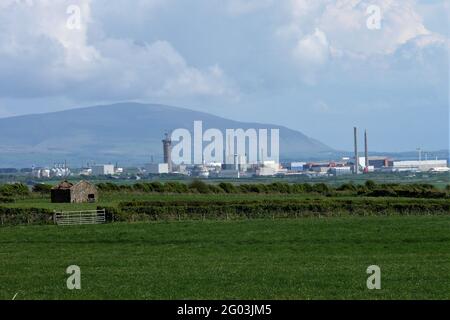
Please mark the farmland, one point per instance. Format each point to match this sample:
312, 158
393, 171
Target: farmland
310, 258
231, 242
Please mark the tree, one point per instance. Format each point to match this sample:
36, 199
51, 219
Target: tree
42, 188
370, 184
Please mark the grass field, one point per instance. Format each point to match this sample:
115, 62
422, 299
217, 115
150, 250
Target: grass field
307, 258
113, 198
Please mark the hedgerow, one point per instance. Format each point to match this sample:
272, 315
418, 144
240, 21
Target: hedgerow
19, 216
369, 189
14, 190
214, 209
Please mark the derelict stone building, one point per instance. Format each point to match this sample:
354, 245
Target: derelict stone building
67, 192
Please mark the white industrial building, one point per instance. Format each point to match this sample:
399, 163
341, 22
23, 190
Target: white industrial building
339, 171
157, 168
41, 173
103, 170
270, 168
297, 166
422, 165
85, 172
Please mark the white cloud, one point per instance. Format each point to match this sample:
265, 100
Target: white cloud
40, 55
322, 31
311, 53
344, 23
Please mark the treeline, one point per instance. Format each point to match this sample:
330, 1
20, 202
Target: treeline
370, 189
166, 210
21, 216
14, 190
254, 209
19, 190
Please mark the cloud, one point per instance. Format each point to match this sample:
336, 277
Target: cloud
311, 54
258, 60
324, 32
40, 55
345, 23
240, 7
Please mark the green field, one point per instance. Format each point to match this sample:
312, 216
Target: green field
112, 199
308, 258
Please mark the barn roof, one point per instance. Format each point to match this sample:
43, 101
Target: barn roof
63, 185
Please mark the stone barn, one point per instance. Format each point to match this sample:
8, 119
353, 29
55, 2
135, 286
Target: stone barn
67, 192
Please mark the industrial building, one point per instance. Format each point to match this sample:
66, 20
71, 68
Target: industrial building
103, 170
270, 168
229, 174
58, 170
376, 162
421, 165
157, 168
236, 162
297, 166
339, 171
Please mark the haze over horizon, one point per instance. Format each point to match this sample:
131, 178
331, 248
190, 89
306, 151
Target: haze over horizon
312, 66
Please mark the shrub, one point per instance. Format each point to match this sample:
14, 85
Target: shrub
199, 186
370, 184
6, 200
347, 187
228, 187
321, 188
42, 188
18, 216
382, 193
14, 190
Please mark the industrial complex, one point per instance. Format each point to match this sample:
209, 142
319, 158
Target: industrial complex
238, 166
241, 168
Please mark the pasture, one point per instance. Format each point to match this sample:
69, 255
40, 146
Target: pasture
308, 258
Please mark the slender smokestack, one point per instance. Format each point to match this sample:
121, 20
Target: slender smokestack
355, 133
366, 150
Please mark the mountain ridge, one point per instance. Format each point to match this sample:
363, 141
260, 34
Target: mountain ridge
127, 132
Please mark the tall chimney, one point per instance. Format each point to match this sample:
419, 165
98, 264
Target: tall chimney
366, 150
167, 144
356, 167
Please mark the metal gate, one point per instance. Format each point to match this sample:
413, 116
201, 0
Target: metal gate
69, 218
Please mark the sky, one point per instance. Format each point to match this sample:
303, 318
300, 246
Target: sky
317, 66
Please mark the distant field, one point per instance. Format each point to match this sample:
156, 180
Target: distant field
307, 258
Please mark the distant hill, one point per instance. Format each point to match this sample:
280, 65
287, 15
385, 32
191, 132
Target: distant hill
129, 133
